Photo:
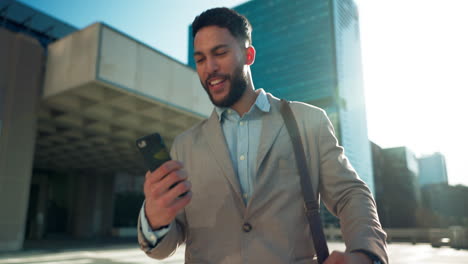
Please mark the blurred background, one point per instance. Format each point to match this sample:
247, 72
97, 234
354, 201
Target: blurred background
81, 80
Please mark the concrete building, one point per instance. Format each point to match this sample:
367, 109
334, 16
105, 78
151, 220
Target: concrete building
310, 51
72, 104
432, 169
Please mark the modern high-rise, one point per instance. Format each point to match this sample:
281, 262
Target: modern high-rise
432, 169
310, 51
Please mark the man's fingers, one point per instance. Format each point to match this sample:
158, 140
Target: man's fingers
180, 203
172, 179
162, 171
179, 189
168, 208
167, 168
157, 189
162, 189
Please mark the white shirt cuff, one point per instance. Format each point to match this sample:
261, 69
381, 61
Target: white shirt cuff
151, 236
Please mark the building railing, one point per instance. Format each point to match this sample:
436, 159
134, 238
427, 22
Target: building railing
456, 236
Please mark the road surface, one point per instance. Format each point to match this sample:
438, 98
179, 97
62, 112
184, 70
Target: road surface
130, 254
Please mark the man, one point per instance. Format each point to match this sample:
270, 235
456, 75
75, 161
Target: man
243, 201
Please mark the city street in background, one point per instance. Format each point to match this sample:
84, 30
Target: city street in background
399, 253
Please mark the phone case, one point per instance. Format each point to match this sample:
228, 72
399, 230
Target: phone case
153, 150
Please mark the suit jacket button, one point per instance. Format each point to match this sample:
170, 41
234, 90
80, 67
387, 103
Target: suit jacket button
247, 227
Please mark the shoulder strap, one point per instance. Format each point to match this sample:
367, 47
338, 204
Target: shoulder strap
311, 204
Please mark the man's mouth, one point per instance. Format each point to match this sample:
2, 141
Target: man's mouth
216, 83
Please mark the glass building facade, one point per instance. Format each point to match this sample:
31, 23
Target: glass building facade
432, 169
309, 51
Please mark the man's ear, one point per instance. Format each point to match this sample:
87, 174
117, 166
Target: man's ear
249, 55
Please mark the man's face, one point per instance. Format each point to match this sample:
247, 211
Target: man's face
220, 64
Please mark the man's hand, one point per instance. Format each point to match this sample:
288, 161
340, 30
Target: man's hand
162, 203
337, 257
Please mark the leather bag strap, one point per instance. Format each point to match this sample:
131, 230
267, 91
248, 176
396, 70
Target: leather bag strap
311, 205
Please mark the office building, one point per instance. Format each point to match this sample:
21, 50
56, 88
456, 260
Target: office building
378, 169
444, 205
399, 196
432, 169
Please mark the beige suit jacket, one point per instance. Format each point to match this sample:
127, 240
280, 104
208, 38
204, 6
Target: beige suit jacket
214, 224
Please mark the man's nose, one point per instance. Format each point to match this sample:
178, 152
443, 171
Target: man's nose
212, 65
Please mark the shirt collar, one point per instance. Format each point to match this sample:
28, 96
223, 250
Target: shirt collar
261, 103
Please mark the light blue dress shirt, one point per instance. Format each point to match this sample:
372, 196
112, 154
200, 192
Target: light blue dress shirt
242, 136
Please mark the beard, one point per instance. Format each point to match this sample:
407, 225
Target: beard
238, 82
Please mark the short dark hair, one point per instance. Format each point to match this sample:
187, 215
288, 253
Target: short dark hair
223, 17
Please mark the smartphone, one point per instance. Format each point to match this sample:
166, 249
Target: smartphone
153, 150
154, 153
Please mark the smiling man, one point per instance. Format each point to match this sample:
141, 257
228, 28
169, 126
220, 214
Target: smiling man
223, 65
244, 202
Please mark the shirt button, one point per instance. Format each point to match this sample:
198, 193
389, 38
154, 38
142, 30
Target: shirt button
247, 227
229, 111
245, 195
153, 237
242, 157
241, 123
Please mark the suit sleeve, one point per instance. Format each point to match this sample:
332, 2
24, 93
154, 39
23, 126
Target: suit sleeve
173, 239
151, 236
348, 197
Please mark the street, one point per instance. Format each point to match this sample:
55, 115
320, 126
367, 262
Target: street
125, 254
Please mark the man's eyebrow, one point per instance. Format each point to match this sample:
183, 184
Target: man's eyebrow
199, 53
219, 47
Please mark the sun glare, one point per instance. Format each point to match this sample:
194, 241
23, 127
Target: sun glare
415, 66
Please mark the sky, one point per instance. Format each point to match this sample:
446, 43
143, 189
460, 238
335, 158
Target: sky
414, 56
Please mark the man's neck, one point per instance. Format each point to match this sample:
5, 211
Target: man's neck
246, 101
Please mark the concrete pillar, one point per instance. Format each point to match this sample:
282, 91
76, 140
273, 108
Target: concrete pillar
107, 205
37, 218
42, 206
21, 65
84, 206
92, 210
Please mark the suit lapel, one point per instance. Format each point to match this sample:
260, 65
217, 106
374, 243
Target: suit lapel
271, 126
214, 136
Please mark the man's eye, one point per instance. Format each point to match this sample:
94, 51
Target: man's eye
200, 60
221, 53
